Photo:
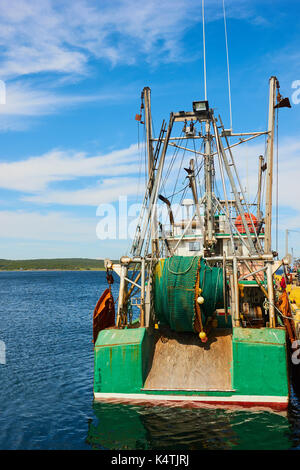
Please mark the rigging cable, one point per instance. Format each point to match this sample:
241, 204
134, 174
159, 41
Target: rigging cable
277, 185
145, 155
172, 161
182, 158
178, 192
140, 162
169, 171
140, 154
228, 69
171, 164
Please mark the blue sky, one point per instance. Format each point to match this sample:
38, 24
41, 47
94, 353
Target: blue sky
74, 72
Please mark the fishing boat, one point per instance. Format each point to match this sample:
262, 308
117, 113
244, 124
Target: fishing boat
212, 326
290, 278
293, 289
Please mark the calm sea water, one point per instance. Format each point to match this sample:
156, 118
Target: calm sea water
46, 391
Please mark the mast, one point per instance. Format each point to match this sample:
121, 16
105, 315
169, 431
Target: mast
269, 177
148, 124
269, 187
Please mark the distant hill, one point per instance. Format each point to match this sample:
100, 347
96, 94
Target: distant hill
68, 264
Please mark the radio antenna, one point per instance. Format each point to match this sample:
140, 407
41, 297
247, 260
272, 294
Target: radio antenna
204, 53
228, 70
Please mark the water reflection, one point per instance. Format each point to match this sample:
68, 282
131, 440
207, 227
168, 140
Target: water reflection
118, 427
294, 419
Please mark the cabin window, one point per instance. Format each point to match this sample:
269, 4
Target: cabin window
194, 246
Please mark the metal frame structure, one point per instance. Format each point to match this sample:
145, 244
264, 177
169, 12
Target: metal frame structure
255, 245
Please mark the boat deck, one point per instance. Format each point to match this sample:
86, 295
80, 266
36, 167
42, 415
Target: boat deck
182, 362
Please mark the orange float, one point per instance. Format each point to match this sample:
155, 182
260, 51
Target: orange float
240, 226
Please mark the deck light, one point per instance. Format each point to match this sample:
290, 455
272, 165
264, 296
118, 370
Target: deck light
201, 108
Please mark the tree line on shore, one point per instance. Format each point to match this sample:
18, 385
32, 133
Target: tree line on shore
73, 264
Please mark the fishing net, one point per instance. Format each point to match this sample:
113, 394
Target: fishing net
175, 282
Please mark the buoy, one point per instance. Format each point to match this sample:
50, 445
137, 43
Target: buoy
202, 336
200, 300
200, 291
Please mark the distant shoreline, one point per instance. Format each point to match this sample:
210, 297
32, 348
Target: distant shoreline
48, 270
52, 264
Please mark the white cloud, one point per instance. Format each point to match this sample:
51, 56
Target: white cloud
70, 39
35, 174
56, 36
52, 226
116, 172
288, 175
106, 192
26, 100
61, 37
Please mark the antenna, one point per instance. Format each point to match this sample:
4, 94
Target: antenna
228, 71
204, 54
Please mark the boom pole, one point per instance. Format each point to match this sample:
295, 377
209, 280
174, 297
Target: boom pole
148, 124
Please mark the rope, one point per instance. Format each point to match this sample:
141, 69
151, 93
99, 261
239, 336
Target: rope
283, 316
197, 306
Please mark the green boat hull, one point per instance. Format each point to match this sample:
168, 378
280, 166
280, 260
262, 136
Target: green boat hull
255, 363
